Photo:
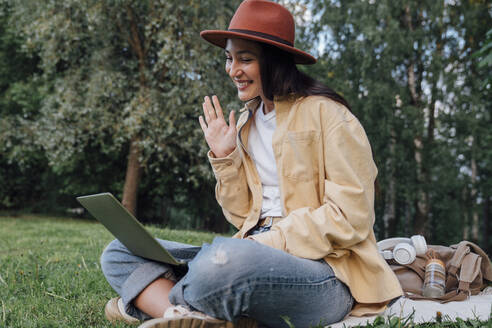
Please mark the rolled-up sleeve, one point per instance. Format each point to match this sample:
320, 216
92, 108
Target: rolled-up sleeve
231, 190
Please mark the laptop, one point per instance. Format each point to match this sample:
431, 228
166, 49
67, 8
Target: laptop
125, 227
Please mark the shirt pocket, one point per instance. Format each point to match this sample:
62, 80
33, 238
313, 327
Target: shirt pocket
300, 151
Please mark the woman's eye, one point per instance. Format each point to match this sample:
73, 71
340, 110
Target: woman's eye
228, 58
246, 60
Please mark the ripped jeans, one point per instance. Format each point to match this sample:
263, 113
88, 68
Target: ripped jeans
231, 278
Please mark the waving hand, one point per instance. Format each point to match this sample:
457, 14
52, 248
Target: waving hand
220, 137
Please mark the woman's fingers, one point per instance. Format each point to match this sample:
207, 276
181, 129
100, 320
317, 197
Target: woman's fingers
218, 109
211, 112
220, 137
205, 112
210, 108
232, 120
202, 123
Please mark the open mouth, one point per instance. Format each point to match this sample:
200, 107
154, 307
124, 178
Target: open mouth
241, 85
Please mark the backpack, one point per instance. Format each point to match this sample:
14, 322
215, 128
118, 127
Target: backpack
468, 271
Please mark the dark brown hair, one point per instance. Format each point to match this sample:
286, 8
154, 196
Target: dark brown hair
280, 77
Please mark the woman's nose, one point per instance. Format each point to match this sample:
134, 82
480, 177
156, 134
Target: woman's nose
235, 70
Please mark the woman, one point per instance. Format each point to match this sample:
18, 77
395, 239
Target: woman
296, 176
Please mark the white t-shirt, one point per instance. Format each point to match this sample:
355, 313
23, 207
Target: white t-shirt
260, 147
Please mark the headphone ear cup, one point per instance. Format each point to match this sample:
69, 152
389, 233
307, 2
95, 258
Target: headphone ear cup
419, 243
404, 253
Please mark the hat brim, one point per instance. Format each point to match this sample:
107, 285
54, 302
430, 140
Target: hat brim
219, 38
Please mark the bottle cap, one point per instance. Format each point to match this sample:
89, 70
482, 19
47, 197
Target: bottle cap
436, 261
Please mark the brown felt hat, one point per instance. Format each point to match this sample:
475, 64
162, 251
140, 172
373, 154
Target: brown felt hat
263, 21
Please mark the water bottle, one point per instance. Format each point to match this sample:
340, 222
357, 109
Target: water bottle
435, 278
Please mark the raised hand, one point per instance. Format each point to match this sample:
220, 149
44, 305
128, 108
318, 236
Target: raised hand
220, 137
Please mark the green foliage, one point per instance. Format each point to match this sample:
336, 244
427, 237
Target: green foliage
23, 166
80, 80
115, 71
107, 88
406, 71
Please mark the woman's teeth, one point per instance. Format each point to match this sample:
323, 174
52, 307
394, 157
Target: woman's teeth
242, 84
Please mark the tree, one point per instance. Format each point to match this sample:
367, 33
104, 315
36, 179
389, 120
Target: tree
484, 135
470, 116
127, 77
401, 65
22, 163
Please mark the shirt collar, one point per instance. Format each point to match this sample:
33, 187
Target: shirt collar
252, 104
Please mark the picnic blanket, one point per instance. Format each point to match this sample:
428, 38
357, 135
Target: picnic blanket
476, 307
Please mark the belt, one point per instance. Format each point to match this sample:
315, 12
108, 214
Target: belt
269, 221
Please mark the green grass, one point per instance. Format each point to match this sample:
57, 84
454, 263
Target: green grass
50, 274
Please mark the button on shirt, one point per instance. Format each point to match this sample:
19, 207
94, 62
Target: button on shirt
261, 150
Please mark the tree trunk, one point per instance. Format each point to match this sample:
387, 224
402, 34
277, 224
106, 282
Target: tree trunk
466, 226
473, 199
134, 167
132, 178
421, 202
422, 197
466, 223
487, 229
389, 216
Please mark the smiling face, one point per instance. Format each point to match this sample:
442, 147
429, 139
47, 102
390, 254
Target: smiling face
243, 67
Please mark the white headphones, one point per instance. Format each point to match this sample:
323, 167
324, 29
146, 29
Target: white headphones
404, 249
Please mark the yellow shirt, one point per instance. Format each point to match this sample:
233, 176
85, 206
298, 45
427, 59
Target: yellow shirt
326, 175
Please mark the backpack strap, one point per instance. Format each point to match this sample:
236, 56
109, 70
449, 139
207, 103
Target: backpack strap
486, 266
451, 296
418, 265
454, 263
470, 269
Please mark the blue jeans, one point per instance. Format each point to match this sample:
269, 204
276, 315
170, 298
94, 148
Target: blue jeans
231, 278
